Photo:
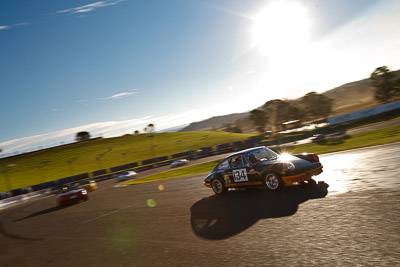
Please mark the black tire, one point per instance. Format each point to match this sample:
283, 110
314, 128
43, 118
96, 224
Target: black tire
312, 182
218, 186
273, 181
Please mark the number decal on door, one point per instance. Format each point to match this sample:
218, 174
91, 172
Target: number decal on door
240, 175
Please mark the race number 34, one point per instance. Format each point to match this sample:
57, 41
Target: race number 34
240, 175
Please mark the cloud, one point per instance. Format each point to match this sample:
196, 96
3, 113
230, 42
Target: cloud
90, 7
4, 27
55, 109
81, 101
120, 95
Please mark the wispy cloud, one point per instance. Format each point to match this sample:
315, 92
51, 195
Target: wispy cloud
90, 7
4, 27
81, 101
55, 109
120, 95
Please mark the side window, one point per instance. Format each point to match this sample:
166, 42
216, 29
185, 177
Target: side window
236, 162
223, 165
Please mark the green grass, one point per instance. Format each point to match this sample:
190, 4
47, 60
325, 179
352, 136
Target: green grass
185, 171
89, 156
377, 137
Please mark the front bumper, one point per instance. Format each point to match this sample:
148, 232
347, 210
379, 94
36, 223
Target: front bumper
302, 176
72, 199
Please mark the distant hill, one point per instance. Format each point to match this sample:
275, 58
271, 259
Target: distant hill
214, 123
173, 129
347, 98
353, 96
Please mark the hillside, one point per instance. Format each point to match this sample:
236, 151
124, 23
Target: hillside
352, 96
214, 123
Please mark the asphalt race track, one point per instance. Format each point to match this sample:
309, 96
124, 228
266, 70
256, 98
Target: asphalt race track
351, 219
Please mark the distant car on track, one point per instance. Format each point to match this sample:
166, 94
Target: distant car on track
178, 163
70, 196
126, 175
89, 185
261, 166
317, 137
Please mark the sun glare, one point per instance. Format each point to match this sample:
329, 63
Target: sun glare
285, 156
281, 28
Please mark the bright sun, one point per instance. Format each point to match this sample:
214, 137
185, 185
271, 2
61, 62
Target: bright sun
281, 28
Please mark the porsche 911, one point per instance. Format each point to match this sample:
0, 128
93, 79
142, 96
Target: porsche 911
263, 167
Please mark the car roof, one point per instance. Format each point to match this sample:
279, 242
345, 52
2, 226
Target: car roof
245, 151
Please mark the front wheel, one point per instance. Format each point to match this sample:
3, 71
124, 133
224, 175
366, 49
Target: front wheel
218, 186
273, 182
312, 182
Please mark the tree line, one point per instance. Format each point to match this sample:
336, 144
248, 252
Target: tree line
274, 113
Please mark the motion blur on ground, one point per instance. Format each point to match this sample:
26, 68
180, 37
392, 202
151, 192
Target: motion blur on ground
129, 105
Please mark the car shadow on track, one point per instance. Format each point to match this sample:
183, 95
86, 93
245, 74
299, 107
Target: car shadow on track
5, 233
219, 217
42, 212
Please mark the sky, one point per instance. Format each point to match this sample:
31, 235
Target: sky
111, 67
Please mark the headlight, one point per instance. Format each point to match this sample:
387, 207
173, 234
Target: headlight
290, 166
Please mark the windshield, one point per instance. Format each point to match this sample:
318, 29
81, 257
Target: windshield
261, 154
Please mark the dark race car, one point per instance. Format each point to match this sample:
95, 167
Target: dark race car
72, 195
261, 166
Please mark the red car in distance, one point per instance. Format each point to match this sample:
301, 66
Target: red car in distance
72, 196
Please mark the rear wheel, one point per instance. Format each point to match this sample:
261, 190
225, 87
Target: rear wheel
273, 182
218, 186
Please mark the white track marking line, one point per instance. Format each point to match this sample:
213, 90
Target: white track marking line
105, 214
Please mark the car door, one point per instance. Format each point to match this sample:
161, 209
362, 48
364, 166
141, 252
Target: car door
240, 171
253, 174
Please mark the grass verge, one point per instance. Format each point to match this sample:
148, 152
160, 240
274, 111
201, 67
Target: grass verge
377, 137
